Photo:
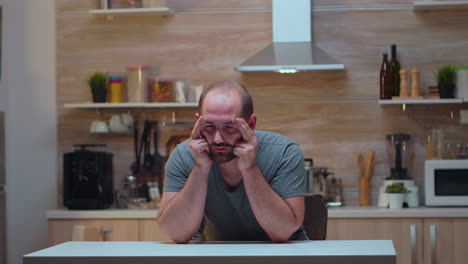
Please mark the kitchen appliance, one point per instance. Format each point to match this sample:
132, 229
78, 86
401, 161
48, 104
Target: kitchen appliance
334, 190
292, 48
87, 178
399, 155
398, 151
446, 182
2, 191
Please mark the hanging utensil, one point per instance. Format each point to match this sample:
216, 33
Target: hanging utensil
147, 158
157, 163
135, 166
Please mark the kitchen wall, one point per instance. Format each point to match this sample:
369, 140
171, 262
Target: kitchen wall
333, 115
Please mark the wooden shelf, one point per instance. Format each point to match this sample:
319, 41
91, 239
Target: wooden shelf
131, 105
161, 11
439, 5
422, 101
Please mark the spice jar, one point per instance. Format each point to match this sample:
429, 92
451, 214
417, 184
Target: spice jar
115, 89
136, 83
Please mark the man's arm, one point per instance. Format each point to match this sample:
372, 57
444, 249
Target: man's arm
181, 213
279, 217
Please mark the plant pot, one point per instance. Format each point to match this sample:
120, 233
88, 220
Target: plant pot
447, 90
395, 200
99, 95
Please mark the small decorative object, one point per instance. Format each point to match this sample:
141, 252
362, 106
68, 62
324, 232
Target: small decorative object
446, 77
134, 3
105, 4
433, 92
396, 195
415, 83
98, 84
404, 83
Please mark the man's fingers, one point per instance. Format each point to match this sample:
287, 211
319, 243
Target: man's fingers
244, 128
196, 131
200, 145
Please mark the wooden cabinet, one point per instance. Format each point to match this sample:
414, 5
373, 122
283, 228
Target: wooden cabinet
416, 240
445, 240
61, 230
94, 230
150, 231
405, 233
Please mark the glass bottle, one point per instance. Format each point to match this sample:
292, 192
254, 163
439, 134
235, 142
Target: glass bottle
395, 69
429, 147
386, 80
458, 153
448, 152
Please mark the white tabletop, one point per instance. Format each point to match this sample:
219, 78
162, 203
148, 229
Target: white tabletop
320, 252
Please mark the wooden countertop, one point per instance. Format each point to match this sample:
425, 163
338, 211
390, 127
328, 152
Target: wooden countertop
333, 212
300, 252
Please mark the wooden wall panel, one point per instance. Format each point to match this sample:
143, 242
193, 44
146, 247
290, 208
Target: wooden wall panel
333, 115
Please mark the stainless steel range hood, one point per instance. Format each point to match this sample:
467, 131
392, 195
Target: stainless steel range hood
292, 49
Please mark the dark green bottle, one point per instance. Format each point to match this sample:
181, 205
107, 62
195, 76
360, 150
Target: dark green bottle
395, 69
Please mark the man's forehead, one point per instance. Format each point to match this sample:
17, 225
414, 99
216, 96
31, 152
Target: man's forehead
221, 122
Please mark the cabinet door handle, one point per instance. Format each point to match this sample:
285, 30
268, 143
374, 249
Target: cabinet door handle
413, 243
105, 230
433, 235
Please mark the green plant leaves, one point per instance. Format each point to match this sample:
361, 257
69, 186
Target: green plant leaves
97, 80
446, 74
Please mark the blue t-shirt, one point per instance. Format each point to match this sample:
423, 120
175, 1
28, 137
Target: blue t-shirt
228, 214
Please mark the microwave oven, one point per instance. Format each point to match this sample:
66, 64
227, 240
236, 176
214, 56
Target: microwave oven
446, 182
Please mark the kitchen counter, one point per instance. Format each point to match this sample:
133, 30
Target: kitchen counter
333, 212
102, 214
343, 252
417, 212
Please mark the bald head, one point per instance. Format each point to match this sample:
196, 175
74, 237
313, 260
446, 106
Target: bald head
232, 91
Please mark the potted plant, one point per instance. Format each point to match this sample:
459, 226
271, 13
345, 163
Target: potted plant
446, 77
98, 84
396, 195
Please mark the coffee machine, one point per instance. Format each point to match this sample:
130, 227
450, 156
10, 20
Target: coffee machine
399, 155
87, 178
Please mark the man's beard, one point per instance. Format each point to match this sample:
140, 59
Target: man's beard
222, 157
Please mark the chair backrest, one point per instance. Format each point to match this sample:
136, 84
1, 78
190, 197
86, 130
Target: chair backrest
315, 217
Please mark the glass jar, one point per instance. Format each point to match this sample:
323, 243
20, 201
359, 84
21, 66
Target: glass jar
162, 90
136, 83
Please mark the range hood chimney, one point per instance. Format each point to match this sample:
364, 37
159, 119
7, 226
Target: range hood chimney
292, 49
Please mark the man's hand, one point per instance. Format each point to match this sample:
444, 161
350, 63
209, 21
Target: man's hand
246, 148
199, 146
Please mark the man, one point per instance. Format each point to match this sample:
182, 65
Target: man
249, 185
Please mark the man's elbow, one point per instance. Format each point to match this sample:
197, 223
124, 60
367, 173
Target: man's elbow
286, 234
279, 239
174, 236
